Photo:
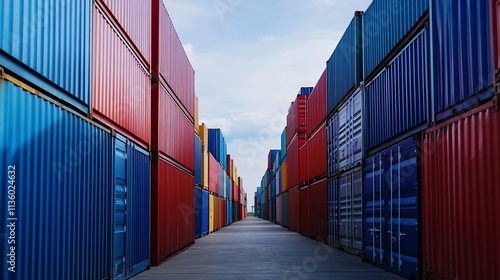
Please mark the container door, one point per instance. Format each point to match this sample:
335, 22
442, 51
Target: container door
357, 210
333, 219
374, 216
198, 202
120, 206
345, 201
205, 214
357, 128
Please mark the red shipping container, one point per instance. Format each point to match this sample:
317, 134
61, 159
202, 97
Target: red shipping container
240, 212
460, 196
318, 210
133, 17
304, 227
296, 119
294, 210
172, 210
213, 175
316, 105
121, 87
175, 131
316, 149
229, 167
304, 164
236, 192
174, 68
292, 159
495, 28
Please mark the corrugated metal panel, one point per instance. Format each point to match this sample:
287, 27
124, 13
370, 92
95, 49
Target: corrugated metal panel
217, 145
345, 211
345, 150
495, 29
460, 194
229, 165
304, 227
303, 164
316, 105
385, 23
205, 169
285, 209
317, 153
293, 163
296, 118
174, 66
391, 209
121, 88
284, 176
172, 199
176, 137
61, 170
396, 101
345, 67
214, 174
212, 213
198, 204
204, 212
318, 210
294, 210
332, 125
333, 212
222, 185
196, 114
134, 18
52, 38
228, 188
462, 56
271, 157
278, 210
197, 160
283, 145
203, 133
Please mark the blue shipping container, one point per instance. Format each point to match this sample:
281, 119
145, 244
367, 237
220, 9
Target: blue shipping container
462, 55
222, 191
197, 160
305, 90
385, 24
283, 145
396, 100
333, 212
271, 157
344, 68
347, 144
217, 146
391, 209
229, 187
61, 170
201, 212
132, 187
48, 43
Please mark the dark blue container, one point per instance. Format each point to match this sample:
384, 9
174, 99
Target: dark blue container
204, 212
217, 146
48, 43
385, 24
201, 212
63, 190
462, 55
391, 209
331, 143
131, 239
396, 100
284, 210
344, 69
333, 212
271, 158
305, 90
197, 160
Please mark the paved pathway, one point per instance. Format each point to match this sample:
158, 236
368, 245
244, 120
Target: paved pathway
256, 249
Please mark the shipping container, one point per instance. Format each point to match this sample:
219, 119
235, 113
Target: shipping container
391, 211
235, 211
121, 87
205, 172
229, 212
345, 211
283, 145
294, 209
214, 180
222, 185
388, 25
304, 220
396, 100
304, 164
175, 135
172, 63
344, 135
203, 133
284, 176
462, 55
48, 44
133, 20
317, 154
212, 214
131, 220
228, 188
197, 160
293, 160
316, 106
172, 199
495, 38
284, 210
279, 184
272, 209
229, 166
318, 212
296, 118
344, 69
61, 178
217, 145
196, 114
460, 194
201, 204
271, 157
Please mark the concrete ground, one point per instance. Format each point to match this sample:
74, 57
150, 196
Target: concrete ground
257, 249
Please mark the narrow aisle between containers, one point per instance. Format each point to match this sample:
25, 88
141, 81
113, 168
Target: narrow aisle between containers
257, 249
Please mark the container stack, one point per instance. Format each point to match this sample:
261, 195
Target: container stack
201, 182
412, 133
98, 136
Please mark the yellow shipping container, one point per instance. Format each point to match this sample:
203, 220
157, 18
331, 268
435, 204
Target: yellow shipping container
203, 133
196, 115
204, 169
234, 172
211, 217
284, 177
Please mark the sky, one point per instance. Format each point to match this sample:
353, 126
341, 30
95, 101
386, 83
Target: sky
251, 57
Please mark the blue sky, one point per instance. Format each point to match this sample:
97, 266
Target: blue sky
251, 57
